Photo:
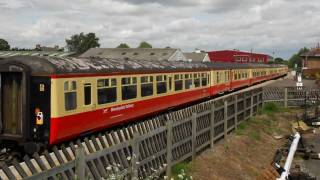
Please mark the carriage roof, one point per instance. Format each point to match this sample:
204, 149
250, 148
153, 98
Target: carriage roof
74, 65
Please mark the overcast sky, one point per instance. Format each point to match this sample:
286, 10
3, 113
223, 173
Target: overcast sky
266, 26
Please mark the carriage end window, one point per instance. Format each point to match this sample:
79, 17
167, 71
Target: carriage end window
70, 95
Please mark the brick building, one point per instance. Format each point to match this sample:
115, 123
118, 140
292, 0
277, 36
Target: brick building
238, 56
311, 62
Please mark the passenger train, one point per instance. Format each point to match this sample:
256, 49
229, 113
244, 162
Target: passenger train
49, 100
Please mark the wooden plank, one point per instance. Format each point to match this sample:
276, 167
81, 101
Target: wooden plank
3, 175
14, 171
80, 164
194, 135
169, 147
20, 170
212, 125
225, 121
7, 171
26, 169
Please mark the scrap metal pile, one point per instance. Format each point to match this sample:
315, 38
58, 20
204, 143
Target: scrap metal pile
302, 149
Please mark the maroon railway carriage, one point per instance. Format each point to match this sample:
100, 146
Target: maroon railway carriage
48, 100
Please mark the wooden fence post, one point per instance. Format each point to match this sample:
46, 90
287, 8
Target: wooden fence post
263, 96
194, 135
169, 147
212, 133
135, 156
80, 164
225, 119
285, 97
251, 104
236, 112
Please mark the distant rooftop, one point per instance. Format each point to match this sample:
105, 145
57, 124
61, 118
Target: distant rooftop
197, 56
315, 52
5, 54
154, 54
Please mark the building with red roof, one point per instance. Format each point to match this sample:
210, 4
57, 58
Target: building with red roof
238, 56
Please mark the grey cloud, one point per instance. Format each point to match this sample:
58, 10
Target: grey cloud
265, 26
163, 2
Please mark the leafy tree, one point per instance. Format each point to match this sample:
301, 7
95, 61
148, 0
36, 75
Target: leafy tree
144, 45
296, 59
4, 45
278, 60
80, 43
123, 45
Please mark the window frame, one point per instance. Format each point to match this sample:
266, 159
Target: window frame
70, 87
132, 82
110, 85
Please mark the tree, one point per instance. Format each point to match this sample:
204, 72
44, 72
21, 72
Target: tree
80, 43
296, 59
123, 45
279, 60
144, 44
4, 45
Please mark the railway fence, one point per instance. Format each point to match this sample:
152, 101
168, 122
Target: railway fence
291, 96
144, 150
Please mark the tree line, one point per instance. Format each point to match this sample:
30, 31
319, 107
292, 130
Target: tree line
78, 43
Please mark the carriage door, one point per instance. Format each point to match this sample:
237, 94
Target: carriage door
11, 103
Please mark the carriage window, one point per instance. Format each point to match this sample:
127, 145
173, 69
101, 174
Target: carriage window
178, 83
107, 90
204, 79
161, 84
196, 80
87, 94
188, 81
129, 88
70, 95
146, 86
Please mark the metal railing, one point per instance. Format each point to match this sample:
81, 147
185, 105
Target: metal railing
291, 96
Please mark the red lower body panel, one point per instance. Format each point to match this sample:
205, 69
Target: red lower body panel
68, 127
72, 126
239, 83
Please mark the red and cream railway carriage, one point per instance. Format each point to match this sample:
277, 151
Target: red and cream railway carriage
48, 100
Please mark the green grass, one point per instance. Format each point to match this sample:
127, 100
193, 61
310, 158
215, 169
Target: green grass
255, 134
242, 127
178, 168
268, 124
271, 108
